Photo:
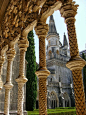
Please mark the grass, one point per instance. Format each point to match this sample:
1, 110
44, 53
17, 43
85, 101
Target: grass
57, 111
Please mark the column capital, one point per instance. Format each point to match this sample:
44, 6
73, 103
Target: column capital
10, 54
23, 43
76, 63
41, 29
69, 10
42, 73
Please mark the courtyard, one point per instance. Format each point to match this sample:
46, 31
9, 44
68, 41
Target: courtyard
57, 111
17, 19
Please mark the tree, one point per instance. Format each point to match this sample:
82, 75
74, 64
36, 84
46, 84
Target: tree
84, 74
31, 85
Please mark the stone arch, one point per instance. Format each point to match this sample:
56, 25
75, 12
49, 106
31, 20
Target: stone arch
54, 101
66, 101
14, 28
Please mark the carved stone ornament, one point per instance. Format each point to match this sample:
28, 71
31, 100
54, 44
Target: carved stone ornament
75, 64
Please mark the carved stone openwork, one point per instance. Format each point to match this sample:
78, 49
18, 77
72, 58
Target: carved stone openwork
2, 59
19, 19
21, 80
41, 30
76, 64
8, 85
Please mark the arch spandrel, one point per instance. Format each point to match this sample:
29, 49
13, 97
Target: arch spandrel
20, 18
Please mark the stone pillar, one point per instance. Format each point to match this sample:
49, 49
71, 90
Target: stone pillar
21, 80
8, 85
75, 64
41, 30
2, 58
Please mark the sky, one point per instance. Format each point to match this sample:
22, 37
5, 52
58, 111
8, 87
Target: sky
80, 26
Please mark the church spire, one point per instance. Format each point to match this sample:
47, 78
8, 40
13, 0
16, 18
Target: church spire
65, 43
52, 28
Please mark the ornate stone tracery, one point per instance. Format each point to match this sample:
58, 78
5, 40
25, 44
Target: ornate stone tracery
19, 18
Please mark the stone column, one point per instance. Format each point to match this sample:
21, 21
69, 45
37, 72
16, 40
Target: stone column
21, 80
2, 58
8, 85
41, 30
75, 64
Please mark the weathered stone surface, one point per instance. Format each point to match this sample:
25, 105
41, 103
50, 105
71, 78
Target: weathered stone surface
14, 90
59, 90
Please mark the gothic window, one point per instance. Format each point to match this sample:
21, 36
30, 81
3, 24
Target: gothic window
54, 100
53, 41
51, 79
52, 49
59, 79
56, 42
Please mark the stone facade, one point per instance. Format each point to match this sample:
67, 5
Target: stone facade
14, 90
60, 91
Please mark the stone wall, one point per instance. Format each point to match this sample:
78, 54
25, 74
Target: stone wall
14, 91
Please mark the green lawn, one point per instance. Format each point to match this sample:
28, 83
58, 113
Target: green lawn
57, 111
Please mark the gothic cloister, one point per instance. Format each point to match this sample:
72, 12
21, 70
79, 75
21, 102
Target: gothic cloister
17, 19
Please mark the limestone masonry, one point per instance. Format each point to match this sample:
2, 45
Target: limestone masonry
60, 91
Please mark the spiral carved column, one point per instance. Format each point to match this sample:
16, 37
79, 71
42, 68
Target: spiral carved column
21, 80
75, 64
2, 58
8, 85
41, 30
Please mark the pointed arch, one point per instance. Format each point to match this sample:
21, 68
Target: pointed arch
54, 99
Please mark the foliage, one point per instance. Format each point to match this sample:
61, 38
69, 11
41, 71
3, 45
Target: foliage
84, 74
31, 85
37, 66
59, 111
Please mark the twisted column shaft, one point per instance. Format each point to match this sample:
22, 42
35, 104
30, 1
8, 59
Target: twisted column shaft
79, 91
42, 54
7, 102
8, 85
22, 63
21, 80
41, 30
77, 75
75, 64
42, 96
72, 37
20, 98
